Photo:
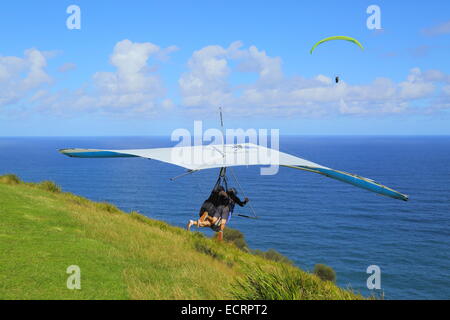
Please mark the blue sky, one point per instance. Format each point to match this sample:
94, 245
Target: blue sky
149, 67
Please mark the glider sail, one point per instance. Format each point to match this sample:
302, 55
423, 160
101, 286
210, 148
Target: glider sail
203, 157
353, 40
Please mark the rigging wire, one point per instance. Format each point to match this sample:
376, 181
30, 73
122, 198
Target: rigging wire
255, 216
222, 175
231, 169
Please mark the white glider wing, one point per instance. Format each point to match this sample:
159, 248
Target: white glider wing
246, 154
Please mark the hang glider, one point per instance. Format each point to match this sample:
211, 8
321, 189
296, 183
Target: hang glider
195, 158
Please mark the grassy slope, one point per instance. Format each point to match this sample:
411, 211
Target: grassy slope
121, 256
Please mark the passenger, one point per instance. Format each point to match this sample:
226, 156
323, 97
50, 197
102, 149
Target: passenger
209, 207
217, 209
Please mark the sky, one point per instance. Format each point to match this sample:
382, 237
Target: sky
150, 67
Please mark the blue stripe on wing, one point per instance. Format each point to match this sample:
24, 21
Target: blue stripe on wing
362, 182
91, 153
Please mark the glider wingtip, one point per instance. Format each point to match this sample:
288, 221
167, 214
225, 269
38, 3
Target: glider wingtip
65, 152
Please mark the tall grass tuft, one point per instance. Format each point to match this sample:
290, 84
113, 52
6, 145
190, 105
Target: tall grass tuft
139, 217
10, 179
285, 283
49, 186
203, 245
105, 206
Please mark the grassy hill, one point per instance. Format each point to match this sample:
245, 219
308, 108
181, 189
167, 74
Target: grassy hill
127, 256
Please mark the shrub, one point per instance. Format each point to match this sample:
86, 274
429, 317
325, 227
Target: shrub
10, 179
273, 255
325, 272
241, 244
236, 237
49, 186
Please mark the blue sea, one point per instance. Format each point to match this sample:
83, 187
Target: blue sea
307, 217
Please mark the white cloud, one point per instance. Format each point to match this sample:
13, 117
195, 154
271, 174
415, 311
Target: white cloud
446, 90
207, 85
132, 83
420, 51
21, 76
435, 76
133, 87
206, 82
442, 28
66, 67
324, 79
254, 60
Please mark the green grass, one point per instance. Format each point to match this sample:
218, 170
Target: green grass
286, 284
126, 255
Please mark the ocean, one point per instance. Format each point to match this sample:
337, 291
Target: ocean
308, 218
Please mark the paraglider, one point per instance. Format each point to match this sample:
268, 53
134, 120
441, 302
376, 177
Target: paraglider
350, 39
353, 40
